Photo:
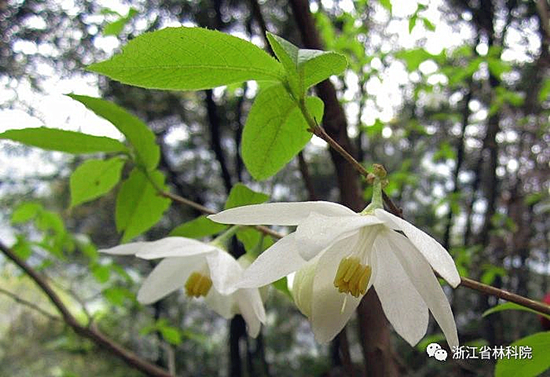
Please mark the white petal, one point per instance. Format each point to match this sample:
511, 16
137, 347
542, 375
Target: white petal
251, 308
318, 231
279, 213
224, 305
402, 304
434, 253
163, 248
327, 317
225, 271
169, 275
425, 282
126, 249
276, 262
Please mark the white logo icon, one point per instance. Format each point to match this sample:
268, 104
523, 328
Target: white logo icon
440, 355
434, 350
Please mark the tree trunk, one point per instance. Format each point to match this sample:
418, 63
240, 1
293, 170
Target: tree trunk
373, 324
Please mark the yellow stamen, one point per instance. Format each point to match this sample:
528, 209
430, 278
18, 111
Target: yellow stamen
197, 285
352, 277
341, 270
364, 280
351, 271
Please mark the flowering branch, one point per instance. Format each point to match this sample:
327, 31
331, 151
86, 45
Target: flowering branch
318, 131
465, 282
89, 332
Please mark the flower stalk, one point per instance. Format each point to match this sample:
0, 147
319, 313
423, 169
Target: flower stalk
223, 239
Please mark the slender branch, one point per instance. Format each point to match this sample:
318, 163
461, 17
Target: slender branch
29, 304
320, 132
505, 295
91, 333
308, 183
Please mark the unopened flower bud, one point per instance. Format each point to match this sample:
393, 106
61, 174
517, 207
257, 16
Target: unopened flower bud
379, 171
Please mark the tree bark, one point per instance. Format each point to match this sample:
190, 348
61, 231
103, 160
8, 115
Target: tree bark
459, 162
237, 331
215, 139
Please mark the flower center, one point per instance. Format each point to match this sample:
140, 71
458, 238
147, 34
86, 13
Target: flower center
197, 285
352, 277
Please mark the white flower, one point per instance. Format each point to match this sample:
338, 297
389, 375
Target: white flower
204, 270
340, 254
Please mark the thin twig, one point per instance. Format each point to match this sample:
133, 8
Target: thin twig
505, 295
29, 304
320, 132
91, 333
208, 211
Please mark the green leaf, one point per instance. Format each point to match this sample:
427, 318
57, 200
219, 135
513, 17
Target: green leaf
530, 199
387, 5
425, 342
101, 273
445, 151
275, 131
320, 65
414, 57
197, 228
64, 141
428, 24
171, 334
22, 248
109, 11
497, 67
511, 306
48, 220
282, 286
304, 67
94, 178
544, 92
250, 238
412, 22
138, 134
138, 206
89, 250
186, 58
527, 367
241, 195
490, 273
115, 28
25, 212
117, 295
287, 54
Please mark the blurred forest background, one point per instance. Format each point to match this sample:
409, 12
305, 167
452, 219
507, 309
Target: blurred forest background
451, 96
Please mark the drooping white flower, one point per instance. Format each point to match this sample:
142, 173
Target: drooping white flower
339, 254
204, 270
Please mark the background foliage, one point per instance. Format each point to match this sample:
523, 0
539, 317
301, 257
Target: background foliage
460, 125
